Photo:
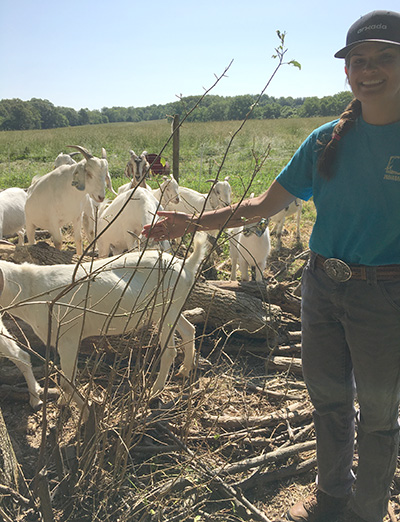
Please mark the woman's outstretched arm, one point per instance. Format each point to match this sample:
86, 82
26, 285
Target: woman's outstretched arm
176, 224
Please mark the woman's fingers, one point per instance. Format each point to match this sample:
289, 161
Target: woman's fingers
172, 225
156, 231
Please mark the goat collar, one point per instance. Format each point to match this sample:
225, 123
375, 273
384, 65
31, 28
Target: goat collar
258, 228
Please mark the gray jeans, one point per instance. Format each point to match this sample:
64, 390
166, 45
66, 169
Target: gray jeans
351, 350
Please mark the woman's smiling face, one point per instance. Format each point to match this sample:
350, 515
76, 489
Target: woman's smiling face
373, 71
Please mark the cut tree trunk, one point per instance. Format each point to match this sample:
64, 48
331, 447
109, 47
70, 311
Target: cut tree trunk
276, 293
8, 463
44, 254
236, 311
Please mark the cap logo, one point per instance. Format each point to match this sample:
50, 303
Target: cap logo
371, 28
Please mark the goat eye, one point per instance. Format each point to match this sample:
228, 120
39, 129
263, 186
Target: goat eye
89, 175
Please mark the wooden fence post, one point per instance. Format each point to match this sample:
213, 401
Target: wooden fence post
175, 147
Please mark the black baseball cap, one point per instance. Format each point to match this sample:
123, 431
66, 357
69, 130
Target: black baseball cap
377, 26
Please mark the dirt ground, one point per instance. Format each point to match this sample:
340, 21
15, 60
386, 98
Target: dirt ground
232, 383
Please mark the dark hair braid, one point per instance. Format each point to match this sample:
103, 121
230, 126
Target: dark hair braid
345, 123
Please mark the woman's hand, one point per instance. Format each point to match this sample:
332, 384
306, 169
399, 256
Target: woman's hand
174, 224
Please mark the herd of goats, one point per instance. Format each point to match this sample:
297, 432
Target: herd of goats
117, 291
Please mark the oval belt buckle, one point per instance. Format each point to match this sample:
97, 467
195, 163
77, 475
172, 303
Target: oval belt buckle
337, 270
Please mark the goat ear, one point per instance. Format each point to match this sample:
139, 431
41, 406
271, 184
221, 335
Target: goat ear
79, 177
109, 184
127, 171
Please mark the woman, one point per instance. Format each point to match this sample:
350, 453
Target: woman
351, 285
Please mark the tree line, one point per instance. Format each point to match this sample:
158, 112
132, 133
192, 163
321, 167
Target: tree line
16, 114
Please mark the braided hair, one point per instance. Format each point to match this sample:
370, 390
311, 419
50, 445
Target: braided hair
345, 123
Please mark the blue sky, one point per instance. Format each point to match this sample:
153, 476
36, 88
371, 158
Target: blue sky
104, 53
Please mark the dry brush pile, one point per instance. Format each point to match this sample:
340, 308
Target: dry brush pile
233, 442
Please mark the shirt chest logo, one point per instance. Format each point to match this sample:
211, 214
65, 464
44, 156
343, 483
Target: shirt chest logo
393, 169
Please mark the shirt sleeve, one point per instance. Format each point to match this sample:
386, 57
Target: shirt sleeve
299, 174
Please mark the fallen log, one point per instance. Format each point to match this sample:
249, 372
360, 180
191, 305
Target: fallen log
236, 311
44, 254
9, 466
275, 293
11, 375
297, 411
265, 391
260, 348
294, 336
285, 364
14, 393
196, 316
293, 349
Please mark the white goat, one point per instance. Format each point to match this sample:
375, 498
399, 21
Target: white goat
137, 170
10, 349
166, 193
121, 222
250, 246
89, 216
58, 198
192, 202
67, 159
279, 220
107, 297
12, 213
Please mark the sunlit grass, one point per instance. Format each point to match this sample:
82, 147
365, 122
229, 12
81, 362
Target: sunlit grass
24, 154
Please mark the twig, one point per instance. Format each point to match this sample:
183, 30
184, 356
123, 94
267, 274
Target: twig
259, 479
194, 508
17, 496
4, 516
155, 448
302, 255
272, 456
226, 488
391, 513
266, 392
42, 490
300, 434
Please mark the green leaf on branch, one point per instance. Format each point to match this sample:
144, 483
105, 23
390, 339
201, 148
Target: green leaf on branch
295, 63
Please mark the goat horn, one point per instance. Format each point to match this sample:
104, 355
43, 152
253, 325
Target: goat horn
82, 150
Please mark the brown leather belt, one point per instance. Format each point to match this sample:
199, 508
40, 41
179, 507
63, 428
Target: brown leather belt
341, 272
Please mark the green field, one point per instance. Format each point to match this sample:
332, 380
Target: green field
24, 154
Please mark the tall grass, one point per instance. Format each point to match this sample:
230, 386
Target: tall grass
24, 154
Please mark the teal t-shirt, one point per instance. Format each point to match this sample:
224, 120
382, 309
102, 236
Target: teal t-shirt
358, 209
